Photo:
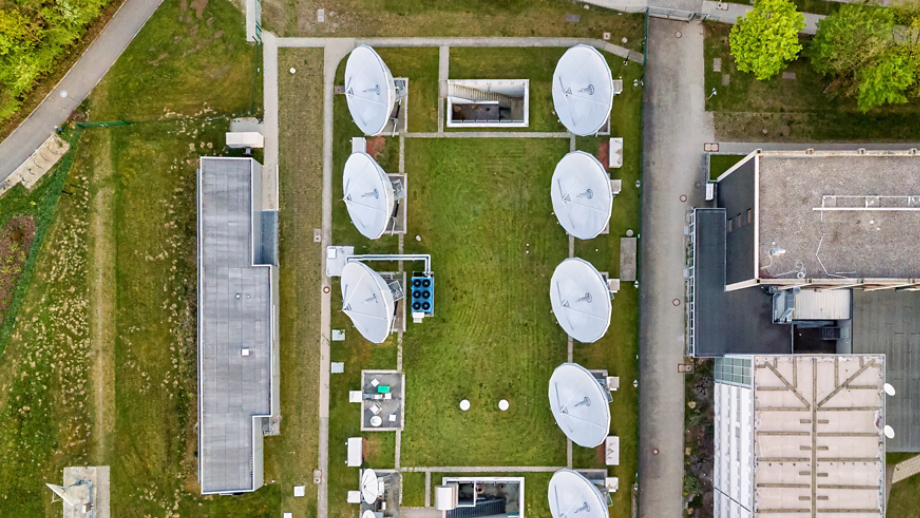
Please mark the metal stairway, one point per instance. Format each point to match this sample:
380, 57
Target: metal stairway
490, 507
475, 94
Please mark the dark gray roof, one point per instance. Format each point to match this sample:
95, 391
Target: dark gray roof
888, 322
736, 195
234, 313
729, 322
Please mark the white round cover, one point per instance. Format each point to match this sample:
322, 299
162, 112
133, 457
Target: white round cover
369, 195
368, 301
583, 90
580, 299
579, 405
582, 197
369, 486
369, 90
571, 495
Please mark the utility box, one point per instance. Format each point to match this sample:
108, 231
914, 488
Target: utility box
355, 452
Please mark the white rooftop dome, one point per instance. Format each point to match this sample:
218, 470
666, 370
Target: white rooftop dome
579, 405
580, 299
369, 90
369, 195
582, 197
571, 495
368, 301
583, 90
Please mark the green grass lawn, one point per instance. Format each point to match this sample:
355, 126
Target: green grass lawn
905, 495
411, 18
794, 110
718, 164
535, 64
482, 210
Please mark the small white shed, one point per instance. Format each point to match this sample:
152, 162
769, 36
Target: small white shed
244, 139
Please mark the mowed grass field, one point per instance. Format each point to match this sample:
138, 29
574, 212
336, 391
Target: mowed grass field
101, 366
415, 18
481, 208
793, 110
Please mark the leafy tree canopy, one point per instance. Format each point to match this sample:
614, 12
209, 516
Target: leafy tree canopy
767, 38
870, 52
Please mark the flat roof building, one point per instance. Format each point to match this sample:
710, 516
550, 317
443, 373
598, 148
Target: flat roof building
822, 219
812, 253
237, 325
799, 436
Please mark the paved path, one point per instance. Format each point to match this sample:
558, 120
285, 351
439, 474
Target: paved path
78, 83
731, 13
468, 42
676, 126
905, 469
484, 469
743, 148
270, 120
490, 134
334, 51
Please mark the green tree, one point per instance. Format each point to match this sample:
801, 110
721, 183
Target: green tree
888, 81
764, 40
849, 40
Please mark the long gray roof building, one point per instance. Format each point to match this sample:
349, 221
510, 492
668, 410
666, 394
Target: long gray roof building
237, 325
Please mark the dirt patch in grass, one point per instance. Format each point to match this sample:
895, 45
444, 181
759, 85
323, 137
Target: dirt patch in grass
375, 146
603, 152
15, 241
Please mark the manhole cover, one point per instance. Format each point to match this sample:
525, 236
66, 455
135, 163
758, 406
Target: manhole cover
676, 302
677, 34
655, 451
326, 289
683, 197
697, 185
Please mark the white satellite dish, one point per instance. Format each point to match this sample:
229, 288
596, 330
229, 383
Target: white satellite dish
370, 486
368, 301
889, 389
889, 432
571, 495
579, 404
369, 90
582, 197
369, 195
583, 90
368, 514
580, 299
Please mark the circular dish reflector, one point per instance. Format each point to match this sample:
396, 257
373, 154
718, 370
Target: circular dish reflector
889, 432
370, 487
583, 90
368, 301
582, 197
369, 195
889, 389
580, 299
571, 495
369, 90
579, 405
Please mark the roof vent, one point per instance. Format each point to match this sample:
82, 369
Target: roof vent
245, 351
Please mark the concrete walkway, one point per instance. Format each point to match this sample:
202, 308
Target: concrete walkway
484, 469
676, 126
906, 469
468, 42
743, 148
78, 83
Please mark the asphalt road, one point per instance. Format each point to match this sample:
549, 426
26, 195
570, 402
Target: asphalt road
78, 83
676, 127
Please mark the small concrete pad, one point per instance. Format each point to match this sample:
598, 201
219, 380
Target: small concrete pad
717, 64
320, 16
725, 79
338, 367
338, 335
788, 75
628, 259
